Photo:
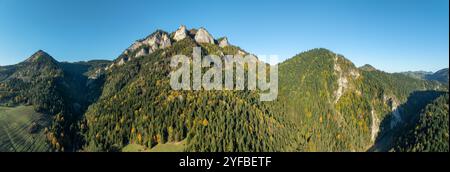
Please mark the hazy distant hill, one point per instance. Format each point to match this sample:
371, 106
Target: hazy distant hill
440, 76
417, 74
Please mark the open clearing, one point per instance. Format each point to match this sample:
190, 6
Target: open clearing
167, 147
15, 135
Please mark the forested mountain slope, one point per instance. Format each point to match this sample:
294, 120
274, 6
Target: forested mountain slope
61, 90
138, 106
429, 131
324, 103
337, 106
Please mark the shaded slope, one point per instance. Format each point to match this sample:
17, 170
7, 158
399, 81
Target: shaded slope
429, 131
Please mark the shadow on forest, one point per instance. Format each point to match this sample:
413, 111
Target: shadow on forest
391, 127
79, 93
83, 91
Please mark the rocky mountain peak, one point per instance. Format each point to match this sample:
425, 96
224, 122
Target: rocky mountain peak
203, 36
161, 39
223, 42
156, 40
181, 33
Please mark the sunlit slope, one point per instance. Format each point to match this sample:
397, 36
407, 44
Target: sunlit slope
22, 130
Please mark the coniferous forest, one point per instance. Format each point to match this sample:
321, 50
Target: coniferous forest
325, 103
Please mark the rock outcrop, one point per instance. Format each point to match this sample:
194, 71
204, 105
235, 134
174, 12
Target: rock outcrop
141, 52
180, 34
393, 103
375, 126
223, 42
344, 78
241, 53
157, 40
203, 36
161, 39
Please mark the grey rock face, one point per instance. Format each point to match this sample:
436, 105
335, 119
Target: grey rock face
165, 41
135, 46
203, 36
122, 61
141, 53
161, 39
157, 40
242, 53
224, 42
180, 34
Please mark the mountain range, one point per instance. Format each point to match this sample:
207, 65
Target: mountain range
440, 76
325, 103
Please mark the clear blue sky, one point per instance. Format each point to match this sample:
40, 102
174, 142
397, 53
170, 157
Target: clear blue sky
392, 35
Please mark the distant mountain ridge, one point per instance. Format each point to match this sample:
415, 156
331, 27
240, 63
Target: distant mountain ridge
440, 76
368, 67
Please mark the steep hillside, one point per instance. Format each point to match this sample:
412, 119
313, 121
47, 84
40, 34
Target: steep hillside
33, 82
324, 103
337, 106
61, 90
441, 76
138, 106
429, 132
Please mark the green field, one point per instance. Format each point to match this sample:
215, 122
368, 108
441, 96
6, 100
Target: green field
167, 147
14, 130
